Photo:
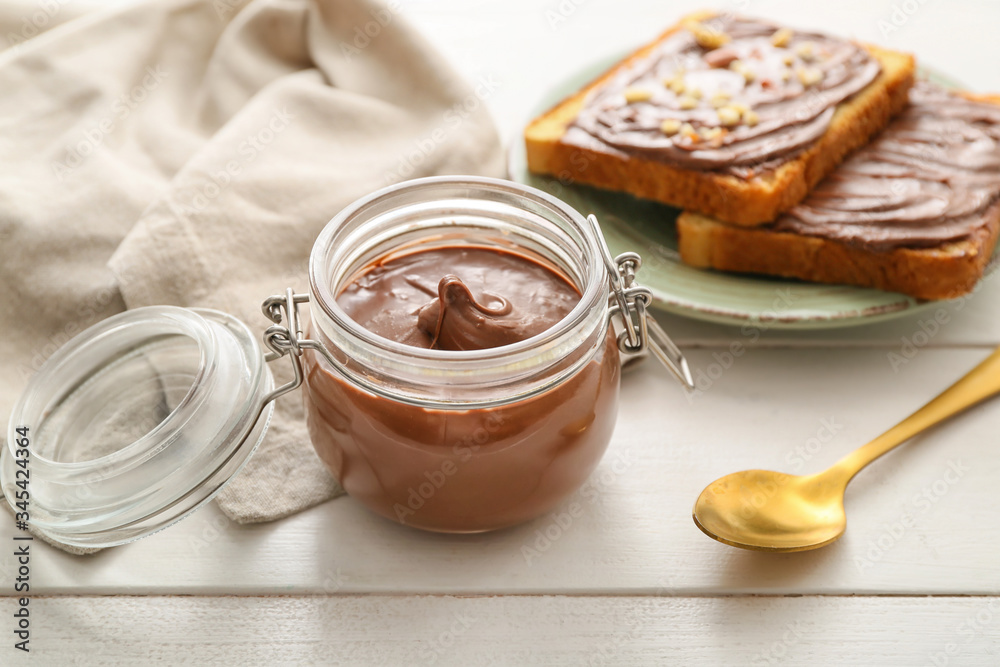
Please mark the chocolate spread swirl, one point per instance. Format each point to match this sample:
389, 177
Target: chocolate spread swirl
458, 298
456, 320
779, 91
931, 177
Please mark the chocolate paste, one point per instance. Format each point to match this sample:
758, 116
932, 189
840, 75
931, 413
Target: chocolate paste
777, 100
462, 470
931, 177
458, 298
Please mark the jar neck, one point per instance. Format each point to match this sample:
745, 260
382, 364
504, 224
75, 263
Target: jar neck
445, 212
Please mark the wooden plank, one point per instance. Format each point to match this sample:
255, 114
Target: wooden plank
791, 410
387, 630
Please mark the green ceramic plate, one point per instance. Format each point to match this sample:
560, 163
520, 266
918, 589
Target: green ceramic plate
648, 228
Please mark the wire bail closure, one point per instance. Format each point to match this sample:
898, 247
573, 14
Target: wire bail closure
629, 301
287, 339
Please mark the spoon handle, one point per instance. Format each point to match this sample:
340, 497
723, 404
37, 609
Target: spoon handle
977, 385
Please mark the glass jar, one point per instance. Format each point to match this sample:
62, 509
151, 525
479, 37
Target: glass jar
460, 441
142, 418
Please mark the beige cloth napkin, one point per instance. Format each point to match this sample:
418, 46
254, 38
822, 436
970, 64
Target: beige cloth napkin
188, 152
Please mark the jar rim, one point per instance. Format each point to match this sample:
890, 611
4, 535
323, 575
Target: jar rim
593, 291
170, 320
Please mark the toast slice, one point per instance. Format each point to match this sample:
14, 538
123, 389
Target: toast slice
942, 270
751, 199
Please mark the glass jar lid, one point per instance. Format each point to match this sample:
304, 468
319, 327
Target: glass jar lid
135, 423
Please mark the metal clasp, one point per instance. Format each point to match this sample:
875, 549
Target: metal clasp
630, 301
287, 339
284, 339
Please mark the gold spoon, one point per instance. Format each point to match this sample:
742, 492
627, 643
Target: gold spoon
771, 511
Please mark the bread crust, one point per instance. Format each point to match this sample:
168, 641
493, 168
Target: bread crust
941, 272
739, 202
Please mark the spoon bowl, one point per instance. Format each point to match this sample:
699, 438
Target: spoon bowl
772, 511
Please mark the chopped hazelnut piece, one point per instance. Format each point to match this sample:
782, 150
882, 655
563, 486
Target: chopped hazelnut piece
695, 93
806, 51
720, 99
676, 85
713, 135
728, 116
740, 67
707, 37
788, 59
688, 102
809, 76
750, 118
782, 37
637, 95
670, 127
687, 130
739, 106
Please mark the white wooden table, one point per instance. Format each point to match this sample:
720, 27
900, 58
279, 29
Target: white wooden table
915, 581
